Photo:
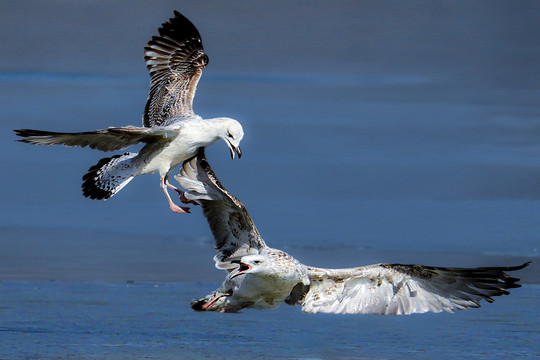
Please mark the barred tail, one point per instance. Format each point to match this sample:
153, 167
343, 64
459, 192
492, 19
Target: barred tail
109, 176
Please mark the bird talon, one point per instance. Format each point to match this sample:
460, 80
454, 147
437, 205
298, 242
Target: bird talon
179, 209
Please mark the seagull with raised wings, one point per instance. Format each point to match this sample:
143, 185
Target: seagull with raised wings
171, 131
261, 277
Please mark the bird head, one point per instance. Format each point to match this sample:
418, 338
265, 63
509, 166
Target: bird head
252, 264
233, 134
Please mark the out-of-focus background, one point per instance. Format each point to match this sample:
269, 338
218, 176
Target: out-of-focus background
374, 132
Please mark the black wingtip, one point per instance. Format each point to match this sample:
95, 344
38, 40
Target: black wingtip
26, 133
522, 266
22, 132
179, 23
509, 281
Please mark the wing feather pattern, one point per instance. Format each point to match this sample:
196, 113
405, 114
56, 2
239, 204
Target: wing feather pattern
111, 139
395, 289
175, 60
232, 227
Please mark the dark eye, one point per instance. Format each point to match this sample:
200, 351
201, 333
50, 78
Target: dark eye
229, 134
257, 262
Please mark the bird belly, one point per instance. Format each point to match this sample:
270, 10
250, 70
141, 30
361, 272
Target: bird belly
168, 157
262, 293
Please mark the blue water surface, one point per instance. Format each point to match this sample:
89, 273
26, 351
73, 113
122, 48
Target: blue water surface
49, 320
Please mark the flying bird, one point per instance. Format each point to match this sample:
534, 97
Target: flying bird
261, 277
171, 131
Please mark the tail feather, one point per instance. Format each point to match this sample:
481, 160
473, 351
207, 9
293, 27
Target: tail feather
109, 176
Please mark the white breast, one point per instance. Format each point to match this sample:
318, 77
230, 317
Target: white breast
263, 292
168, 157
165, 157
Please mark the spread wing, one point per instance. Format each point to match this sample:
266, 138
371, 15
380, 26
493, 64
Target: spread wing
231, 225
175, 60
404, 289
113, 138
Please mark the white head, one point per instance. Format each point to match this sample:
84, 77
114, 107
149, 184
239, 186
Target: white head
232, 133
253, 264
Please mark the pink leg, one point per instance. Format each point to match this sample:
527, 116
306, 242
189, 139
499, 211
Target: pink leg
210, 303
174, 208
169, 185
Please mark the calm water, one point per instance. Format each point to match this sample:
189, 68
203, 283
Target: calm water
147, 321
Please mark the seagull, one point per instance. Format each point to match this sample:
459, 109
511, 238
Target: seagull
260, 277
171, 131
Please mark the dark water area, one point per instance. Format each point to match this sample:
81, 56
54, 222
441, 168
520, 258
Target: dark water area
40, 320
97, 256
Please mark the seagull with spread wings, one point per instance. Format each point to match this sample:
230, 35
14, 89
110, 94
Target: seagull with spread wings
261, 277
171, 131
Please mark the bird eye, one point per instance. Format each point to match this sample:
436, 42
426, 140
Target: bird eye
257, 262
229, 134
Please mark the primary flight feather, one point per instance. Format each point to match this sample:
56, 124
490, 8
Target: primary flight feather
262, 277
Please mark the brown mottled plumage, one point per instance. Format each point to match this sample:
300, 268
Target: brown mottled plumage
175, 60
261, 277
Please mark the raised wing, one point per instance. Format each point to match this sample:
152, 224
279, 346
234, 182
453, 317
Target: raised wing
404, 289
231, 225
175, 60
113, 138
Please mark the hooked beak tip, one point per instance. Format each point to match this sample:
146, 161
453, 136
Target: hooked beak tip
234, 150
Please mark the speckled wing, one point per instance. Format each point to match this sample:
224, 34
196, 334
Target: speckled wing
111, 139
404, 289
231, 225
175, 60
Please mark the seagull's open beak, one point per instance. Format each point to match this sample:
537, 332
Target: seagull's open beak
242, 269
234, 150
